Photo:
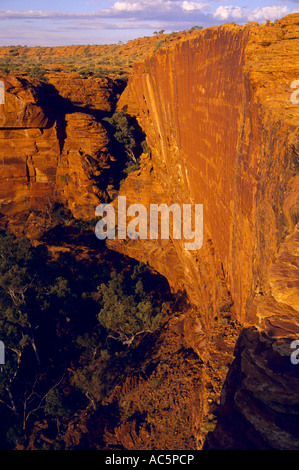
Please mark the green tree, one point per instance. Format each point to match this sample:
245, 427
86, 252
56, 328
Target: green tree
158, 44
37, 72
88, 380
27, 290
124, 133
127, 309
55, 336
56, 407
195, 28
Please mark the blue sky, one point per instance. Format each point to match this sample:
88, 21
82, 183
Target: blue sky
66, 22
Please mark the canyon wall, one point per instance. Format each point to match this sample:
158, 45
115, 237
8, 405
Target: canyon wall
223, 132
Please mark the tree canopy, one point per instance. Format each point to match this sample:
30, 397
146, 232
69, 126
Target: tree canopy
127, 309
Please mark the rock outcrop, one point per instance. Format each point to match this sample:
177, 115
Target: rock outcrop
53, 147
21, 108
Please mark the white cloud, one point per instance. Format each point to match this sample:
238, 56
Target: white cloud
268, 13
154, 8
191, 6
144, 5
224, 12
130, 15
271, 12
127, 6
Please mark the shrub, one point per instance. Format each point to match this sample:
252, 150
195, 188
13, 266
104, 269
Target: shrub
37, 72
158, 44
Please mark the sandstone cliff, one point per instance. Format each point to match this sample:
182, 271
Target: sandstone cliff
222, 131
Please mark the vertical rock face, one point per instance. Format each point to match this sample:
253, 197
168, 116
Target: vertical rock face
25, 138
97, 94
83, 161
223, 132
21, 108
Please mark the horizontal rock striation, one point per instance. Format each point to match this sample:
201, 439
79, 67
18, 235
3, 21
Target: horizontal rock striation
53, 147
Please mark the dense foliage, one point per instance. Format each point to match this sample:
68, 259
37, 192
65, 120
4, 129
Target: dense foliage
114, 60
69, 329
128, 309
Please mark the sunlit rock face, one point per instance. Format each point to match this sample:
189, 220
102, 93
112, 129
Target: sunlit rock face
222, 131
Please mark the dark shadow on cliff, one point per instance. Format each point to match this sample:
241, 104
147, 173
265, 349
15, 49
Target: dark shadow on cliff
259, 407
48, 97
126, 138
56, 107
127, 142
233, 431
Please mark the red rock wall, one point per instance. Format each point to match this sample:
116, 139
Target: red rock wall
222, 131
